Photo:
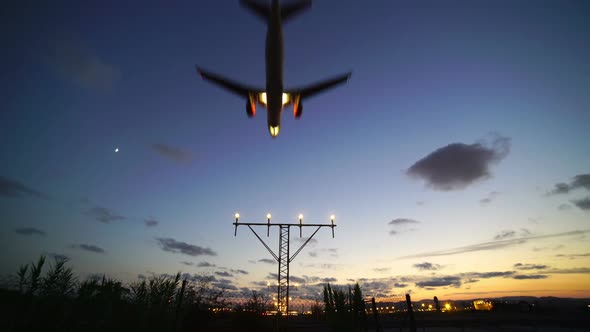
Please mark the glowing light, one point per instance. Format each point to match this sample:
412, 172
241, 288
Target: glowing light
448, 306
274, 131
332, 217
237, 215
268, 216
262, 98
286, 99
116, 149
300, 216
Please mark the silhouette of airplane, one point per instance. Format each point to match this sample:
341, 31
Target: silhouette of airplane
274, 97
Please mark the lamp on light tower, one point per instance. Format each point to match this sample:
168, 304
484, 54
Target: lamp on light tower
268, 216
300, 224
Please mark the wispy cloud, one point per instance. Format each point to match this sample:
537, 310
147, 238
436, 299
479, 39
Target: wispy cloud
224, 274
494, 245
440, 282
505, 234
205, 264
426, 266
458, 165
150, 222
104, 215
381, 270
564, 207
583, 204
581, 181
58, 256
174, 153
88, 247
15, 189
400, 225
29, 231
572, 256
187, 263
488, 199
530, 276
171, 245
267, 261
521, 266
80, 66
238, 271
577, 270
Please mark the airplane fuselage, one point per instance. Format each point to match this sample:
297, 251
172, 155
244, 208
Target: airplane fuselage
274, 67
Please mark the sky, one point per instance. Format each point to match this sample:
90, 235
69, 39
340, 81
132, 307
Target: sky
455, 159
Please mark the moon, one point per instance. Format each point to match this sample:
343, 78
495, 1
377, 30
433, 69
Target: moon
116, 149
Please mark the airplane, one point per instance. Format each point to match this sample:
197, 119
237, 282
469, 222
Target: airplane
274, 97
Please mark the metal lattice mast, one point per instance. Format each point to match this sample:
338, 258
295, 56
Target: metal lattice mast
283, 291
283, 258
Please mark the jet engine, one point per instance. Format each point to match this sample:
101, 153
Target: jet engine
297, 107
250, 107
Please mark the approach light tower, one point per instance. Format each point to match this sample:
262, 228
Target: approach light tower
283, 258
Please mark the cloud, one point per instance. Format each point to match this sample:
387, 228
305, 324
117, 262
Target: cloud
564, 207
399, 225
171, 245
187, 263
403, 221
58, 256
15, 189
530, 276
400, 285
381, 270
267, 261
81, 67
520, 266
426, 266
224, 274
577, 270
493, 245
505, 234
104, 215
487, 275
491, 196
174, 153
224, 284
302, 240
239, 271
88, 247
329, 280
150, 222
458, 165
572, 256
205, 264
583, 204
440, 281
28, 231
581, 181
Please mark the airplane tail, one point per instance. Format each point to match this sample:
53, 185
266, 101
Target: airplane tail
287, 11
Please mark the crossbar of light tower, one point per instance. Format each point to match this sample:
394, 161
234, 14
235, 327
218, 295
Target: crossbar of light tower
283, 258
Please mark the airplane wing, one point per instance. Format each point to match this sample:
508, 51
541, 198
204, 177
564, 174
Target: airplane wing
237, 88
291, 9
262, 10
315, 88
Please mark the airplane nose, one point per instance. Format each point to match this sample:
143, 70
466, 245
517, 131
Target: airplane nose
274, 131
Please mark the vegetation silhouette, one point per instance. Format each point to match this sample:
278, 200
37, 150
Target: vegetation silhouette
57, 301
